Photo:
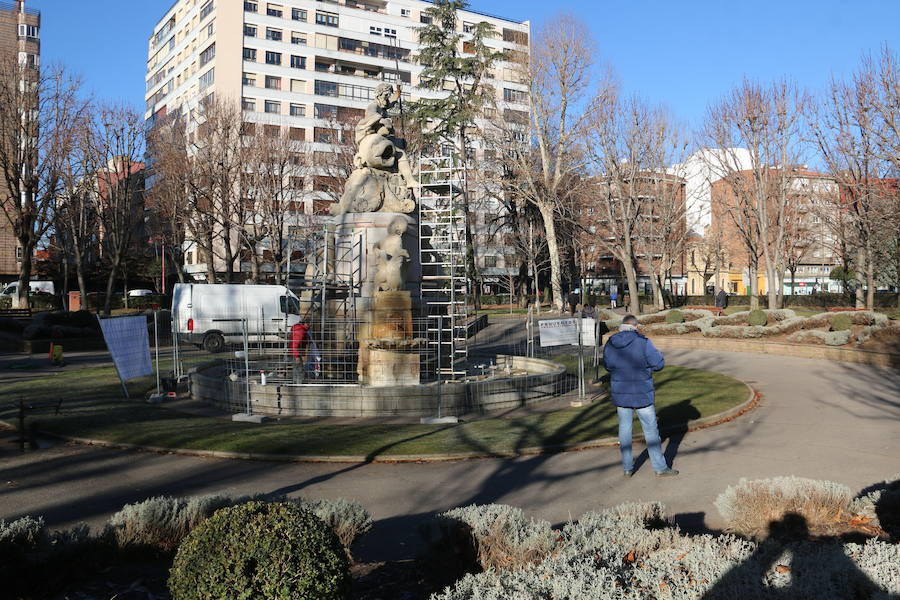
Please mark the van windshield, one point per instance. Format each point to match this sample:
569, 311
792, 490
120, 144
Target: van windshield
9, 291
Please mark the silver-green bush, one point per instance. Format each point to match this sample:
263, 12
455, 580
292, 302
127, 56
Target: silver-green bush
347, 519
22, 534
814, 336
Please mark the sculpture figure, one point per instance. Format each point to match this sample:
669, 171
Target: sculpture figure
390, 257
382, 178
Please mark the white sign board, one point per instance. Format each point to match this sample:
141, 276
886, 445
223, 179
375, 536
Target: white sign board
558, 332
129, 345
588, 330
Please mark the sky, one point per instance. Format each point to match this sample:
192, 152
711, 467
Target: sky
681, 53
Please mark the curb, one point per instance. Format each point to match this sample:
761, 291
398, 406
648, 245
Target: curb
697, 424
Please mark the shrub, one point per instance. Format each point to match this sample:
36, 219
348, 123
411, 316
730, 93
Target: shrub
347, 519
840, 322
502, 537
757, 318
5, 302
814, 336
21, 535
275, 551
674, 316
751, 505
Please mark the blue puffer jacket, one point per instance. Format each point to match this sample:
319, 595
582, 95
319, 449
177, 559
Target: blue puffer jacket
631, 359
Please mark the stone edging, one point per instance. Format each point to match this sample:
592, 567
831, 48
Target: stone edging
749, 404
852, 355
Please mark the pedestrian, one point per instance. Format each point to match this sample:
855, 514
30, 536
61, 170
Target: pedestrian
612, 299
299, 343
630, 358
722, 299
573, 300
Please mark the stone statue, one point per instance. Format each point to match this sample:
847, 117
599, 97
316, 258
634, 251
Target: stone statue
390, 257
382, 179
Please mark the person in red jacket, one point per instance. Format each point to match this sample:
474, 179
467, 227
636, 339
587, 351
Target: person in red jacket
299, 343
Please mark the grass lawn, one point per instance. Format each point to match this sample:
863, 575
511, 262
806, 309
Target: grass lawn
93, 407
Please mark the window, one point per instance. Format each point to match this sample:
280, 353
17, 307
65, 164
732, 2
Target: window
250, 54
325, 135
425, 19
248, 129
210, 29
19, 253
273, 83
206, 9
404, 12
490, 261
297, 134
298, 86
248, 104
325, 111
326, 88
271, 130
298, 110
249, 30
28, 31
517, 96
208, 54
298, 62
468, 27
374, 30
250, 7
249, 79
273, 58
207, 79
273, 34
273, 107
274, 10
298, 14
298, 38
517, 37
327, 19
391, 33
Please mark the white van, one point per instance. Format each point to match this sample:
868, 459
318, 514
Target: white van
211, 315
36, 287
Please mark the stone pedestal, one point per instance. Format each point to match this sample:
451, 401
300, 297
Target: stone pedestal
386, 344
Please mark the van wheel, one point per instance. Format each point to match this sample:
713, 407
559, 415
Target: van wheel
213, 343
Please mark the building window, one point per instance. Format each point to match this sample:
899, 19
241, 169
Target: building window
271, 130
425, 19
298, 38
404, 12
374, 30
298, 110
249, 30
208, 54
250, 7
297, 134
325, 111
207, 79
468, 27
326, 88
273, 107
274, 10
28, 31
30, 61
327, 19
517, 96
490, 261
273, 34
298, 86
210, 29
248, 104
249, 79
206, 9
298, 62
391, 33
250, 54
273, 58
19, 253
298, 14
273, 83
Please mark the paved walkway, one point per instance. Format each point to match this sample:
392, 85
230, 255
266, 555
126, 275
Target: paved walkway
817, 419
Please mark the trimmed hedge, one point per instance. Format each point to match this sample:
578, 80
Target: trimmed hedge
275, 551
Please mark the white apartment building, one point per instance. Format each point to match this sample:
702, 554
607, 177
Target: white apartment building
299, 64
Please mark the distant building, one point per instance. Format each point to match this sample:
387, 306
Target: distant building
699, 171
20, 39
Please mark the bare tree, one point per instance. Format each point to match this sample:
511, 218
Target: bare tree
40, 112
766, 121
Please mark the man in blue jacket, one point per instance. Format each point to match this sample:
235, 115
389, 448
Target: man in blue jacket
631, 359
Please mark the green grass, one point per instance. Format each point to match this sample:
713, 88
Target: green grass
93, 407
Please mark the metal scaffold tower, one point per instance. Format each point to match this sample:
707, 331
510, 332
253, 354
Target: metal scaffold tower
442, 248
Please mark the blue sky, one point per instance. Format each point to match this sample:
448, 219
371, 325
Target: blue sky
684, 53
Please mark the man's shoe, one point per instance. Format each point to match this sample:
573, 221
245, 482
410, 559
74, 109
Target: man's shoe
667, 472
629, 473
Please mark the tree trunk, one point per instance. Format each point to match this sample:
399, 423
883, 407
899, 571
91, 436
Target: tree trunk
254, 265
860, 261
634, 301
547, 216
21, 300
870, 283
210, 261
658, 302
752, 273
110, 282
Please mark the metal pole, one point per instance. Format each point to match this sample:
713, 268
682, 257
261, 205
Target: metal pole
176, 366
246, 363
156, 345
324, 284
581, 389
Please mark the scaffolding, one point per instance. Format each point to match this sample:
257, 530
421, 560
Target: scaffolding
442, 248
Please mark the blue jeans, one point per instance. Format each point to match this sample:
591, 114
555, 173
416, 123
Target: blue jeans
647, 416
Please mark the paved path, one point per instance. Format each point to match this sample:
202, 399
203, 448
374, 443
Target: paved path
817, 419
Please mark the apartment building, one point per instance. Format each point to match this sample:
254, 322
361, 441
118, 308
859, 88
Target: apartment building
302, 64
20, 39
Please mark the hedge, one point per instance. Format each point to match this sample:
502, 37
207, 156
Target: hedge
808, 300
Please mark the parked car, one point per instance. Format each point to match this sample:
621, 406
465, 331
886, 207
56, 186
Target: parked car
35, 287
212, 315
139, 293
